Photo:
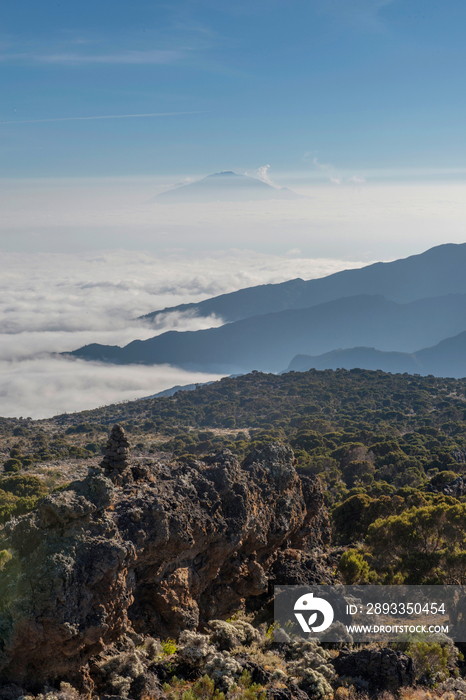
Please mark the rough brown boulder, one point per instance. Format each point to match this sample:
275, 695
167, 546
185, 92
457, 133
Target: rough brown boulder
178, 545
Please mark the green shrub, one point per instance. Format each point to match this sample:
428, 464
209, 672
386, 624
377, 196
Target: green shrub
434, 656
203, 689
92, 447
7, 505
358, 471
430, 659
169, 647
12, 465
354, 569
349, 518
442, 478
23, 486
19, 495
4, 557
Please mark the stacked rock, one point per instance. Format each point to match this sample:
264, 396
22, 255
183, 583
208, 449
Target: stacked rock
117, 451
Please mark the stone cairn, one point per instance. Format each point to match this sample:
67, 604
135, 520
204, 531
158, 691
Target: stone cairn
116, 456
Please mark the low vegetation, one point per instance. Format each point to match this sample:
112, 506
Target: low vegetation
384, 447
390, 451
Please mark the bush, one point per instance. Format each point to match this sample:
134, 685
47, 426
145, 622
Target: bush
19, 495
358, 471
430, 660
12, 465
354, 569
443, 478
418, 541
4, 557
349, 518
203, 689
24, 486
7, 506
169, 647
92, 447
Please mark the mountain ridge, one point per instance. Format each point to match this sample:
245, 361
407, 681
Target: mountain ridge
268, 342
435, 272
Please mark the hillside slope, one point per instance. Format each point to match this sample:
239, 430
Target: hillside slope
436, 272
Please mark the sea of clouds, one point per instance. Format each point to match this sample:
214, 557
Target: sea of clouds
84, 258
55, 302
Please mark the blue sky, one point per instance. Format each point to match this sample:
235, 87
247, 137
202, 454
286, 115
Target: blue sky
364, 85
359, 105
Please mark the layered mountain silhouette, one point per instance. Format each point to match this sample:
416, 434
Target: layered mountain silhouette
437, 272
362, 358
269, 341
226, 187
446, 359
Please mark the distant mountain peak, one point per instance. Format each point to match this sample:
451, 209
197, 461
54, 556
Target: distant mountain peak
226, 186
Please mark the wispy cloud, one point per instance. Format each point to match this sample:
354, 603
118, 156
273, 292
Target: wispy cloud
362, 13
262, 173
331, 172
322, 166
311, 156
106, 116
150, 57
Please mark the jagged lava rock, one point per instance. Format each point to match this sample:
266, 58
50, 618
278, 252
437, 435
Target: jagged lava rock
65, 594
382, 669
185, 544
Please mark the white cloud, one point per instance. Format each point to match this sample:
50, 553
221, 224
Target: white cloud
322, 166
46, 386
150, 57
107, 116
334, 177
263, 174
53, 303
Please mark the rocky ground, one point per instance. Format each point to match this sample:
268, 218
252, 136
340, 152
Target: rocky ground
154, 579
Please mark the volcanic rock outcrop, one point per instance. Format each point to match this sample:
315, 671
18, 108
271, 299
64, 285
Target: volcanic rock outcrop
382, 669
171, 549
